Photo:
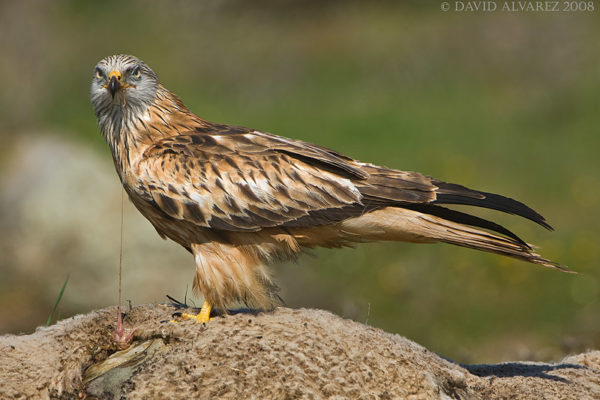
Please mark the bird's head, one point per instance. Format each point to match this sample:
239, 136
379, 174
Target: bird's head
122, 81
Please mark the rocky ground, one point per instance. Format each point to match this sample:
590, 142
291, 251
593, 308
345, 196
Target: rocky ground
285, 354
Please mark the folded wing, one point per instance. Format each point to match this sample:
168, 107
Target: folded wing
248, 180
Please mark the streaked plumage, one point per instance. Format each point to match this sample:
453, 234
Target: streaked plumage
239, 199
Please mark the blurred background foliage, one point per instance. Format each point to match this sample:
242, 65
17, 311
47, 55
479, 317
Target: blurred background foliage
506, 103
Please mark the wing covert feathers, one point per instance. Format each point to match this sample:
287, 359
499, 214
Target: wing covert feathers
231, 185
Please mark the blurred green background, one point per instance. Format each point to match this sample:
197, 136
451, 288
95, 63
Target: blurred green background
502, 102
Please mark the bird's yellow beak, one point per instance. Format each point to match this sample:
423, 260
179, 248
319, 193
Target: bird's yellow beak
114, 82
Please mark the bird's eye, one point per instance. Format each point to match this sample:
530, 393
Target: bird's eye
99, 73
135, 73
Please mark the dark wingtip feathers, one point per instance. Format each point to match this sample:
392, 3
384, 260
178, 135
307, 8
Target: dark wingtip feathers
512, 206
450, 193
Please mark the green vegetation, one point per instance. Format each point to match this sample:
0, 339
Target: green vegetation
60, 295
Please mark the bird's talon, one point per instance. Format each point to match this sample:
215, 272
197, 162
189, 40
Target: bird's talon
200, 317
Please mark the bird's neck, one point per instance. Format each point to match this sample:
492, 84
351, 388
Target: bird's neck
129, 129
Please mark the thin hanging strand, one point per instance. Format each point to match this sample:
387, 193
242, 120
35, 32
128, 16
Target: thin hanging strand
121, 251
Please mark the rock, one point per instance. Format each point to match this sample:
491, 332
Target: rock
285, 354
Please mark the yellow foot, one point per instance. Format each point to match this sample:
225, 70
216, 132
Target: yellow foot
203, 315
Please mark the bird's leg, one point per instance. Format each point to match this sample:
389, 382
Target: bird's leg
202, 316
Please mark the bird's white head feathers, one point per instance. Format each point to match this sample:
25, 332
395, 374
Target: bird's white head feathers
123, 88
122, 83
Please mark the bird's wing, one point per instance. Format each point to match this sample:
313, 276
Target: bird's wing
249, 181
231, 178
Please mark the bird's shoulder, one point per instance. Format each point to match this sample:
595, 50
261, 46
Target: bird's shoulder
209, 142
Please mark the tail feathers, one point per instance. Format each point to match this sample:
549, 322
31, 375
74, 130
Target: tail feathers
466, 219
450, 193
460, 235
401, 224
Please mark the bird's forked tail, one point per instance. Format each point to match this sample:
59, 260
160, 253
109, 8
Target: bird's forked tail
401, 224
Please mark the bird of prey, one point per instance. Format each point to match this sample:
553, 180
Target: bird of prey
240, 199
